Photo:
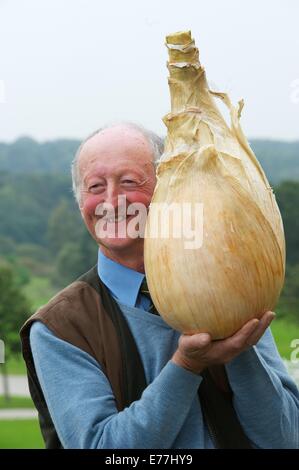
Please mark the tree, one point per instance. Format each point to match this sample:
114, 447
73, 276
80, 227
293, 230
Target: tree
287, 195
74, 250
14, 309
64, 226
289, 300
75, 258
68, 264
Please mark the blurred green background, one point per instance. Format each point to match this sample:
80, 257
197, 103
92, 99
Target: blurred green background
44, 245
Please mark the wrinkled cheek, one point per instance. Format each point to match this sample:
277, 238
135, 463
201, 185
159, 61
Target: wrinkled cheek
89, 206
88, 212
141, 198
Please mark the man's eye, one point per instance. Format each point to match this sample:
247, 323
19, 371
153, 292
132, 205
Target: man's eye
96, 187
129, 182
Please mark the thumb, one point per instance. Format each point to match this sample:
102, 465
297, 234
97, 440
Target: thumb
197, 341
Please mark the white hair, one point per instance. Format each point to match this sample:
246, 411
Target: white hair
156, 143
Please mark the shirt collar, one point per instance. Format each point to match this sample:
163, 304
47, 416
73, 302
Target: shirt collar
124, 283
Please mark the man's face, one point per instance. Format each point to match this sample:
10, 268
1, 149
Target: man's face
117, 170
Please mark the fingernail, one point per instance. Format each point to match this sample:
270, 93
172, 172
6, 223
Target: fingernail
271, 317
255, 322
204, 339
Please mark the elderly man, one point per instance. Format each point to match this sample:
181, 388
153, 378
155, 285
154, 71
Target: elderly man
105, 371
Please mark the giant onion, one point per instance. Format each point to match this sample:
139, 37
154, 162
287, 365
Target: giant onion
238, 271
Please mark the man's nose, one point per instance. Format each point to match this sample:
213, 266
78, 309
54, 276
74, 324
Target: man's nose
115, 199
112, 194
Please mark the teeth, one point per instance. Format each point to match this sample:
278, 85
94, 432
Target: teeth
114, 219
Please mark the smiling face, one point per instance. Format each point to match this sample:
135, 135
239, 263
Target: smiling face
116, 170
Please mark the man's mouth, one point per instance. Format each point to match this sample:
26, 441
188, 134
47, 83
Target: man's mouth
112, 219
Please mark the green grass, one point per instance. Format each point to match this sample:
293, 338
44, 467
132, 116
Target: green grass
16, 402
39, 291
284, 331
20, 434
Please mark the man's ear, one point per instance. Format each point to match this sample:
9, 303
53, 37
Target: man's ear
81, 211
80, 207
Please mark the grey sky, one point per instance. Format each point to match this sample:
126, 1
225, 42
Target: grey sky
69, 66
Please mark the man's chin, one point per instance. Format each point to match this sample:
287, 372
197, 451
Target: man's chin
119, 244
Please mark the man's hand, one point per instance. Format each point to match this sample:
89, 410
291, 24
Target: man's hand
197, 352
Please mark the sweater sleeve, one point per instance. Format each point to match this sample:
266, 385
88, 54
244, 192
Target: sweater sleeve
82, 404
265, 397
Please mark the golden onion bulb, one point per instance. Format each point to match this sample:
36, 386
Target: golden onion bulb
211, 187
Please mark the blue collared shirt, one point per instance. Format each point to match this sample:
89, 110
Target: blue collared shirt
123, 283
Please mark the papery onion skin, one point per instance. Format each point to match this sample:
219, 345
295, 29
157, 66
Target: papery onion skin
238, 272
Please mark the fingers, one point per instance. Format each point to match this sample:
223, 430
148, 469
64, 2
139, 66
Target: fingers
261, 328
251, 332
197, 351
247, 329
238, 341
